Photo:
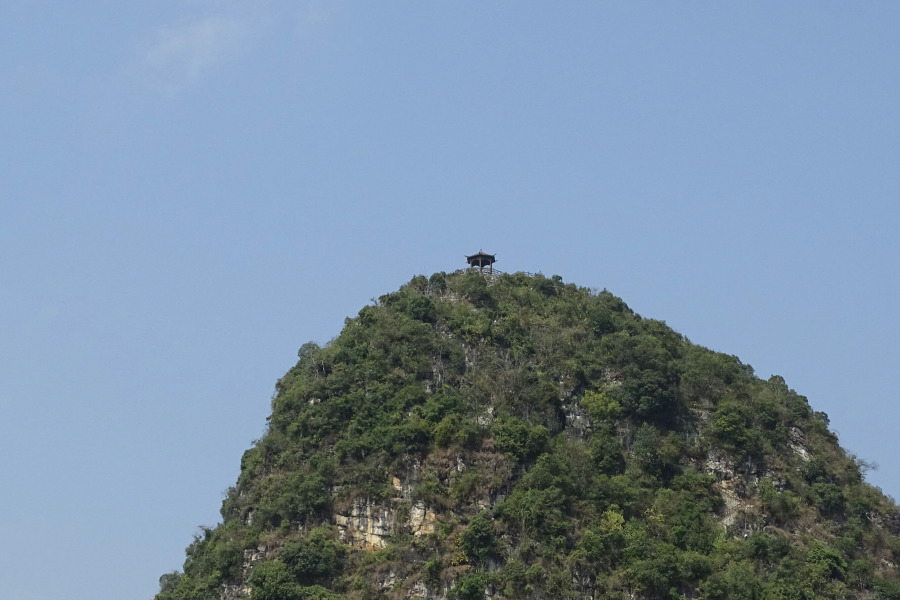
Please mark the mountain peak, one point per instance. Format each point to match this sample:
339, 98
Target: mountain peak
522, 437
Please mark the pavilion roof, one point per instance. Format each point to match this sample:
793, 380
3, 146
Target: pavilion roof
482, 255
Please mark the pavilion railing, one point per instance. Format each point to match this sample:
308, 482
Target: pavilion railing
498, 272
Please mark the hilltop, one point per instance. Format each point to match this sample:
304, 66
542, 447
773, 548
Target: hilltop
516, 436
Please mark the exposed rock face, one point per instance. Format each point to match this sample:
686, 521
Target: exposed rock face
420, 591
798, 444
578, 422
734, 504
235, 591
366, 525
421, 520
718, 465
732, 488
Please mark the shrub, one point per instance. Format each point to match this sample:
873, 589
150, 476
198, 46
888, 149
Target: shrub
438, 282
455, 430
860, 572
731, 428
474, 288
315, 559
737, 582
656, 574
430, 490
431, 571
469, 587
272, 580
826, 561
693, 566
514, 580
887, 589
169, 581
648, 391
464, 486
478, 539
421, 309
517, 438
815, 471
768, 548
781, 505
828, 498
606, 452
317, 592
600, 406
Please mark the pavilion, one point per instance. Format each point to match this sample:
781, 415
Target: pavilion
481, 260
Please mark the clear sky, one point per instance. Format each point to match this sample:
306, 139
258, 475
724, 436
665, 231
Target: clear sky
191, 189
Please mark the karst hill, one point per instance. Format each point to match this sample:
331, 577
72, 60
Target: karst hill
480, 436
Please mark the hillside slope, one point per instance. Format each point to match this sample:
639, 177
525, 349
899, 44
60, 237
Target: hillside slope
519, 437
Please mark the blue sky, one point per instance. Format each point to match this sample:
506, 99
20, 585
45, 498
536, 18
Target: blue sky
191, 189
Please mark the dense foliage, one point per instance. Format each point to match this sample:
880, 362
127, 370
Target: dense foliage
566, 448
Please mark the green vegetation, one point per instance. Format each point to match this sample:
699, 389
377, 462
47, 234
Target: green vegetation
535, 439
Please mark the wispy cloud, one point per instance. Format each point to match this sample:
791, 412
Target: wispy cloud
180, 54
176, 56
